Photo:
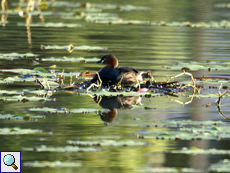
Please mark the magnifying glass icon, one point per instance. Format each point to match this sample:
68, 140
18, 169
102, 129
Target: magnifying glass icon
9, 160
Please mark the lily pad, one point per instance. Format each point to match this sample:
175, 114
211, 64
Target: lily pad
66, 59
20, 98
18, 131
167, 170
11, 56
83, 47
20, 117
211, 24
212, 151
194, 65
7, 92
44, 148
130, 93
107, 143
88, 5
221, 166
64, 110
54, 164
209, 95
55, 25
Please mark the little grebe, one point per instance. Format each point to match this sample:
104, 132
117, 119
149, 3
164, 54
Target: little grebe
111, 74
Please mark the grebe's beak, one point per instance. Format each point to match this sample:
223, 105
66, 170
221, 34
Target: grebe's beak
101, 61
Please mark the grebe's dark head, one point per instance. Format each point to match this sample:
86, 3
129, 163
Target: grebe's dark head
110, 60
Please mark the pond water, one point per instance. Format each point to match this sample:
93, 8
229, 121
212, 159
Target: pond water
163, 133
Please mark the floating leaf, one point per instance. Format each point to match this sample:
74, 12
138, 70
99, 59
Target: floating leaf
10, 92
130, 93
211, 24
223, 5
221, 166
83, 47
11, 56
64, 110
40, 69
193, 65
18, 131
12, 79
54, 164
88, 5
44, 148
20, 117
56, 25
66, 59
212, 151
181, 123
209, 95
92, 16
108, 143
167, 170
116, 20
24, 99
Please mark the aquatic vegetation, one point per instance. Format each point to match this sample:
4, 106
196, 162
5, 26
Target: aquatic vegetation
44, 148
83, 47
20, 98
221, 166
167, 170
54, 164
25, 117
73, 59
107, 143
64, 110
56, 25
194, 150
193, 65
12, 56
18, 131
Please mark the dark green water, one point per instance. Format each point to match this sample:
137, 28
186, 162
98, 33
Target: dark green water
143, 47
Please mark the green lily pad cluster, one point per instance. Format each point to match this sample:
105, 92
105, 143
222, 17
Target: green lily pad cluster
186, 130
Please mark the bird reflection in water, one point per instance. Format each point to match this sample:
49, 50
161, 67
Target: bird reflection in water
115, 102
